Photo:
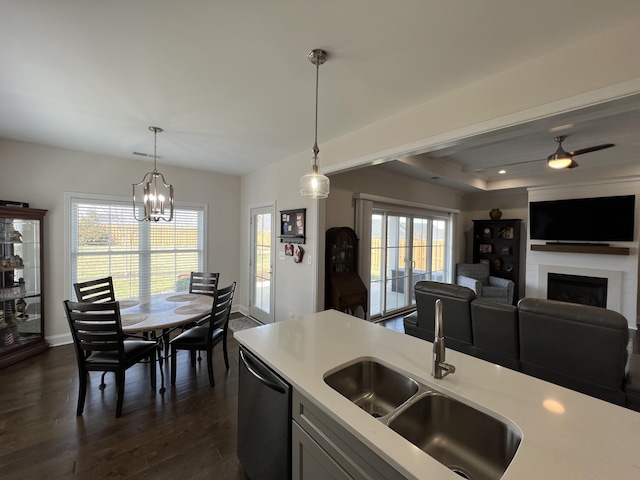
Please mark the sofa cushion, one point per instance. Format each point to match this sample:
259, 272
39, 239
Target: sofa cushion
495, 332
577, 346
455, 313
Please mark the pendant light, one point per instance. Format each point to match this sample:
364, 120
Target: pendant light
157, 196
314, 184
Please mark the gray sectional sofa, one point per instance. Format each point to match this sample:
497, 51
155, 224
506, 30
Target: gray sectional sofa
580, 347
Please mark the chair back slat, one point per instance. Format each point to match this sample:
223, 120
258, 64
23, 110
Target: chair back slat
95, 327
222, 303
204, 283
95, 291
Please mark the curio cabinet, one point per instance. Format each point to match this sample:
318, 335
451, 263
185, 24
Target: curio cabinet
21, 296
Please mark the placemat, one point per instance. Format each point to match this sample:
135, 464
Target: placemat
128, 303
183, 297
133, 318
193, 309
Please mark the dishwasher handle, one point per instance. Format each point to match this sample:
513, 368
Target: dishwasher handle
265, 381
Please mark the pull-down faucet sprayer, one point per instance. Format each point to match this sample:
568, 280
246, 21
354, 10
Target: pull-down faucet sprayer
440, 369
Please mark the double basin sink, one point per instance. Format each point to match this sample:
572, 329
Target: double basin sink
473, 444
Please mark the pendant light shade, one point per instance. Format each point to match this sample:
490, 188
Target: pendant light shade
314, 184
155, 196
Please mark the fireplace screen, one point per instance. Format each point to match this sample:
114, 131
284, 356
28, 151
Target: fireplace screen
577, 289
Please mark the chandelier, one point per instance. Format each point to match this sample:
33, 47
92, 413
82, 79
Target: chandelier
157, 195
315, 184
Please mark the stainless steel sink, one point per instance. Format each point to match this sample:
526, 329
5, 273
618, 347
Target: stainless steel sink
375, 388
474, 444
471, 443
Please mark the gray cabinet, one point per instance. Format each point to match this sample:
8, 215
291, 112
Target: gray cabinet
322, 449
310, 461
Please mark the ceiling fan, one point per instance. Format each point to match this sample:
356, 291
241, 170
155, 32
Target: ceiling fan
563, 159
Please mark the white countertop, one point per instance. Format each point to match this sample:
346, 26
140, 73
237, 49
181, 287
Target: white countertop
592, 439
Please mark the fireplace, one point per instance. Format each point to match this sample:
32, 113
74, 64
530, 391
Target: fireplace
577, 289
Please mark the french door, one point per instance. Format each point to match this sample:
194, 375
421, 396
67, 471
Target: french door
405, 248
261, 304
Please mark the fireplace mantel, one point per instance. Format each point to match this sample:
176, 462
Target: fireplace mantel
566, 248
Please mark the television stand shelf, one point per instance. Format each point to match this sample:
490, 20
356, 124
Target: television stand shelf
567, 248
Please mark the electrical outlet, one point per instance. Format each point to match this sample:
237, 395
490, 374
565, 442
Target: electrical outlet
309, 259
291, 315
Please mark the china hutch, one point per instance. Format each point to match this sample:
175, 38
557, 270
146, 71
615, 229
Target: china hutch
344, 290
21, 296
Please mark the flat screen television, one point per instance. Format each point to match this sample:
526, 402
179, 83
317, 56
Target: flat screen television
601, 219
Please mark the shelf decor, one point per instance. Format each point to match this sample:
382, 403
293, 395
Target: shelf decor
498, 243
293, 224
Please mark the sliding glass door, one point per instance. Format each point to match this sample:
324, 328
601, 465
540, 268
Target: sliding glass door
404, 250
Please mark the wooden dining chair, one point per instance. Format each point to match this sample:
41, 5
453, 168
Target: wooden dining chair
101, 346
95, 291
204, 337
203, 283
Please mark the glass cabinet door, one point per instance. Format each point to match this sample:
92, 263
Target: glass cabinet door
21, 318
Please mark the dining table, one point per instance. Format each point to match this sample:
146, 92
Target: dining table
156, 316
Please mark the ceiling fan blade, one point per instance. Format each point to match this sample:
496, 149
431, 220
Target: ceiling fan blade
592, 149
517, 163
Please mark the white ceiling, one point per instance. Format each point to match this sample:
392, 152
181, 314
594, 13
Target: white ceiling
230, 82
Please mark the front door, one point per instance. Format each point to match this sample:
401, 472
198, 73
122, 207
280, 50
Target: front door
261, 304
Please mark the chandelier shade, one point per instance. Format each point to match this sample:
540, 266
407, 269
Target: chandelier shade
153, 196
314, 184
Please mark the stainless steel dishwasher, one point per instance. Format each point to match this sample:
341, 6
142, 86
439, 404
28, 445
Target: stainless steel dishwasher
264, 420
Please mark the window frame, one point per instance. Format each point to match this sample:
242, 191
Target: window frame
144, 229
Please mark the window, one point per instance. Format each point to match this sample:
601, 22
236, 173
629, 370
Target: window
144, 258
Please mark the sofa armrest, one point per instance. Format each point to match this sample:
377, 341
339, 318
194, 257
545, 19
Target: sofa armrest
503, 283
469, 282
500, 282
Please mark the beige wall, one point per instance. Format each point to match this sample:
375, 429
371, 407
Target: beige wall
295, 284
41, 175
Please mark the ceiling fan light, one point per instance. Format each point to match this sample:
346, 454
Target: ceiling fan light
559, 161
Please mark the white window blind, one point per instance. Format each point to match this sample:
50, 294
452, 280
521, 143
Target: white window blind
144, 258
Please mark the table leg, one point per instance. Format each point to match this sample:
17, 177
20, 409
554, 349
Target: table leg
160, 341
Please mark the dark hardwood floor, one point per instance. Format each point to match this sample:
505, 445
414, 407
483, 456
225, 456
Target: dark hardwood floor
189, 432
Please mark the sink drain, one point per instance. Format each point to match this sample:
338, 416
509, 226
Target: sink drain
461, 472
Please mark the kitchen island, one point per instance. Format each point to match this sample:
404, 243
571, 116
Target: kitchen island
565, 434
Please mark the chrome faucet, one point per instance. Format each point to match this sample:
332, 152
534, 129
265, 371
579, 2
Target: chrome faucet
440, 369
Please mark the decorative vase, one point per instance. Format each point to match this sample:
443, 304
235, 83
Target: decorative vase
495, 214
